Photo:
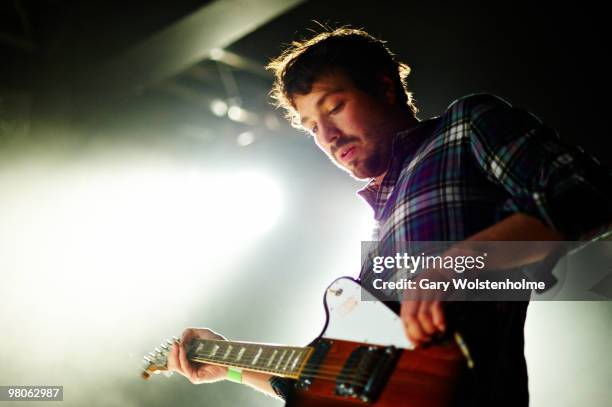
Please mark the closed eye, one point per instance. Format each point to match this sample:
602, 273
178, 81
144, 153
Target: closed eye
336, 109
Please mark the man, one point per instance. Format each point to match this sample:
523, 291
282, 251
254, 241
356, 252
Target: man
483, 170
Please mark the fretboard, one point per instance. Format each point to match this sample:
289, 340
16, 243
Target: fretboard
284, 361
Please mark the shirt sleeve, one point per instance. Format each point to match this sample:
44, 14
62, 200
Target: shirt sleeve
559, 184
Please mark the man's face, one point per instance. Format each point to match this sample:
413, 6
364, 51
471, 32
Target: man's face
351, 126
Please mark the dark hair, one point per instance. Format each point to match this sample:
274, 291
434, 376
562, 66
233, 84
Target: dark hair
362, 57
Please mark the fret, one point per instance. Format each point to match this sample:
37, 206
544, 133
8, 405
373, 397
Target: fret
200, 347
214, 350
272, 358
257, 355
289, 359
295, 361
240, 353
281, 359
227, 352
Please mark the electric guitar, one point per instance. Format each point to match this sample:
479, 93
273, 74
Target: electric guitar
362, 356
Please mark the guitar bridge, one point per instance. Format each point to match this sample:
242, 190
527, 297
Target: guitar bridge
366, 372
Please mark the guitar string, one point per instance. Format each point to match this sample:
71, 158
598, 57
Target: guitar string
333, 369
330, 366
263, 360
331, 375
329, 371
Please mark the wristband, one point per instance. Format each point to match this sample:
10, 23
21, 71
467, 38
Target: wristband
234, 374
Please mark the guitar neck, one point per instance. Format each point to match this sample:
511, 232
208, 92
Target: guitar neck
283, 361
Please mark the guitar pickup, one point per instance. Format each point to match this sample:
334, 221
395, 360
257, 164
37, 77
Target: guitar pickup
366, 372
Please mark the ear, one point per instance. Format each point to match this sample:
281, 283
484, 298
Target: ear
387, 88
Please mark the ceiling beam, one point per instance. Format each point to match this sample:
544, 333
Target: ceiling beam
174, 49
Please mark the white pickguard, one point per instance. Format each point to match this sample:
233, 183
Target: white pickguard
354, 319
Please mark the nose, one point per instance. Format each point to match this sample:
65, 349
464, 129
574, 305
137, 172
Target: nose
328, 132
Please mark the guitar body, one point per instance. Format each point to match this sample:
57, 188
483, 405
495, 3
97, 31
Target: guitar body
362, 357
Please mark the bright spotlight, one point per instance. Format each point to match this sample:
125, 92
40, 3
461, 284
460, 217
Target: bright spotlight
236, 113
217, 54
246, 138
127, 226
263, 207
218, 107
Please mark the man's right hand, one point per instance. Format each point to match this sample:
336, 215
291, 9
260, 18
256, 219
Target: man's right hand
195, 372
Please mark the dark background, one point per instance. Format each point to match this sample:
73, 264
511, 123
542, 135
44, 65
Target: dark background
548, 57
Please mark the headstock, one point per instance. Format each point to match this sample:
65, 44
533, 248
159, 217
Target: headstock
157, 361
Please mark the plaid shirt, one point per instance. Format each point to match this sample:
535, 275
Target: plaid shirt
454, 175
482, 160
